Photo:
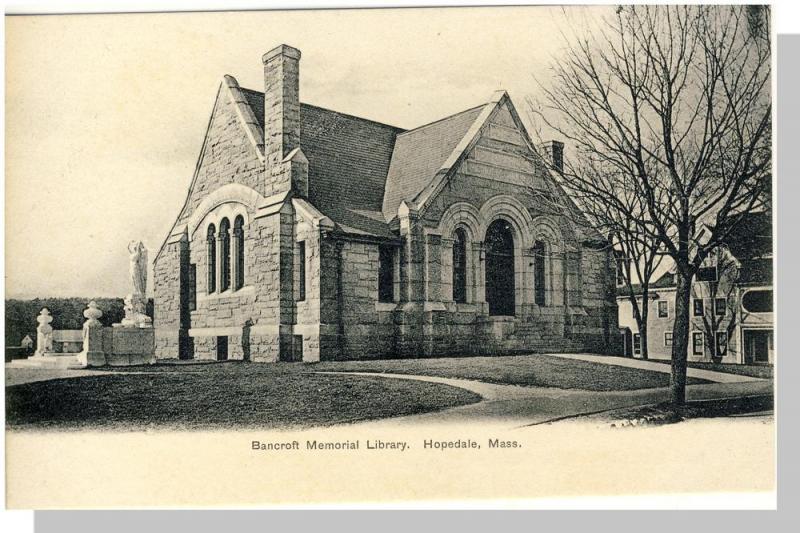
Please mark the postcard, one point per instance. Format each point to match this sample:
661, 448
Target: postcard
388, 256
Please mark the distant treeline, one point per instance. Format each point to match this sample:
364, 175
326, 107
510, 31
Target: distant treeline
67, 314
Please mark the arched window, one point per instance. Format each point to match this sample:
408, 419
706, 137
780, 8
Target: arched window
238, 252
539, 277
211, 248
225, 255
500, 268
460, 266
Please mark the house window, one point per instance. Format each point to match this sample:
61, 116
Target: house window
301, 255
459, 266
707, 274
667, 338
539, 272
722, 343
720, 306
385, 273
759, 301
698, 343
663, 309
699, 310
500, 268
225, 255
637, 343
238, 252
211, 249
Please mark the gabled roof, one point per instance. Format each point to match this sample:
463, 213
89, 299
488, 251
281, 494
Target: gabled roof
420, 153
360, 171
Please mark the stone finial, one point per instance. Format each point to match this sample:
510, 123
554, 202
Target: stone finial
92, 353
92, 313
44, 332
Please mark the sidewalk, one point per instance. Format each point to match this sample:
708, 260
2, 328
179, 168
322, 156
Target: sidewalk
709, 375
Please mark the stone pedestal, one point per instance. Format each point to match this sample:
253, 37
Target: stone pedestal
135, 316
131, 346
92, 354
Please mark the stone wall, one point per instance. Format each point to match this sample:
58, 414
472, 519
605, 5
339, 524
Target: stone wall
340, 316
355, 324
167, 301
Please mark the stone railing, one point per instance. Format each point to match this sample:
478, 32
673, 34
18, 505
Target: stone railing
95, 344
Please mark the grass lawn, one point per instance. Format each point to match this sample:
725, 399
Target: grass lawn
755, 371
665, 413
531, 370
218, 396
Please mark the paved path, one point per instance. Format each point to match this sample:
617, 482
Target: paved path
512, 406
709, 375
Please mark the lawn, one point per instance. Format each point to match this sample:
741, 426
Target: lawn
218, 396
530, 370
666, 413
755, 371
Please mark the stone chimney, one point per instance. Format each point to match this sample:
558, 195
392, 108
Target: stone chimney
284, 160
554, 153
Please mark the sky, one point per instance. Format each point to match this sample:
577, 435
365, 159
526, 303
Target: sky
105, 114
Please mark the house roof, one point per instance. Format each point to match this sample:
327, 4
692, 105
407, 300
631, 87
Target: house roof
420, 153
751, 237
749, 241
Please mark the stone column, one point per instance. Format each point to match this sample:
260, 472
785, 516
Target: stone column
92, 354
44, 333
555, 278
220, 256
236, 244
478, 267
433, 268
446, 290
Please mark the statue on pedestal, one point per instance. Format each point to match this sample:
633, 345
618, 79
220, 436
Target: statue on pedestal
44, 333
136, 301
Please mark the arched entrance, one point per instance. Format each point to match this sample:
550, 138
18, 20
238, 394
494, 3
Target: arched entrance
500, 268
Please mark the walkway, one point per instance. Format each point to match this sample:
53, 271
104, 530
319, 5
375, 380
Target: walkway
514, 406
708, 375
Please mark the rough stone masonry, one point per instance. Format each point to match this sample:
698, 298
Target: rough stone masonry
310, 234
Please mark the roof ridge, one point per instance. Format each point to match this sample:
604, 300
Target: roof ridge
443, 119
334, 111
403, 130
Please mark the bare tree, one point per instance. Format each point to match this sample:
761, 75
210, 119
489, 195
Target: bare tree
674, 101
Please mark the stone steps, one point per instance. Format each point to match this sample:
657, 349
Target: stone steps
67, 361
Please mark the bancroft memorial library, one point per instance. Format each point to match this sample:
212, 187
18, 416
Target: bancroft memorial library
310, 234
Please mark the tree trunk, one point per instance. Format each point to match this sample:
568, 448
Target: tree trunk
643, 324
680, 337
